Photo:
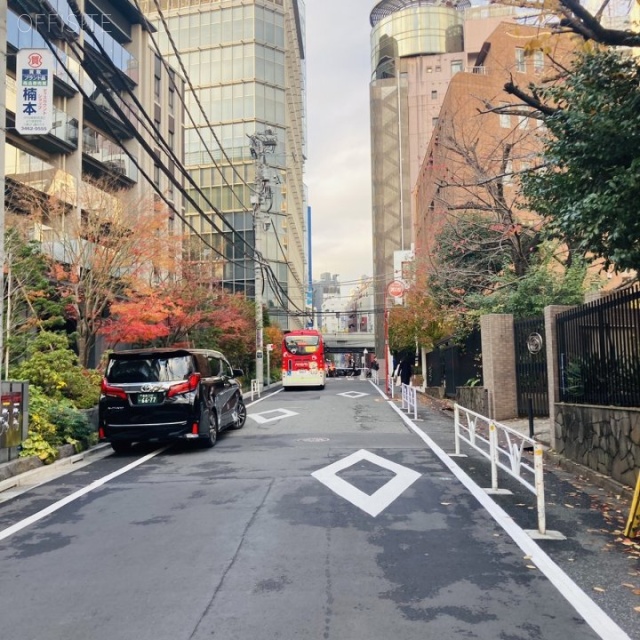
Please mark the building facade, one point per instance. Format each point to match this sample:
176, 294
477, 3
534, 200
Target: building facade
417, 46
244, 65
484, 139
92, 150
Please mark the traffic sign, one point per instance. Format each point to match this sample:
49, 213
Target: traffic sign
395, 289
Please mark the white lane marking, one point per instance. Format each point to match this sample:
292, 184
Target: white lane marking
18, 526
270, 395
593, 615
352, 394
379, 500
261, 418
24, 482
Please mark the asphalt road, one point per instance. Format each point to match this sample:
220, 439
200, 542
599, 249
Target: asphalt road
326, 517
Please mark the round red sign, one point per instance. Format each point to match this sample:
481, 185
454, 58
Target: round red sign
395, 289
35, 60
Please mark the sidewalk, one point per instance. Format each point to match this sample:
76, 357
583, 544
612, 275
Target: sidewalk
589, 509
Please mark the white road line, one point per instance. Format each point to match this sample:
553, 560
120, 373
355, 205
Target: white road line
270, 395
593, 615
378, 501
9, 531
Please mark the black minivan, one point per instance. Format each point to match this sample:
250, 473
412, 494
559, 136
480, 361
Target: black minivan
162, 395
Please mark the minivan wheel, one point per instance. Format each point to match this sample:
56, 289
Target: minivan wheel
241, 414
212, 437
121, 446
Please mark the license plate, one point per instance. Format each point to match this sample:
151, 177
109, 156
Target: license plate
147, 398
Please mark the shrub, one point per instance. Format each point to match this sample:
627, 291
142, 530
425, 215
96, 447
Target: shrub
54, 422
51, 366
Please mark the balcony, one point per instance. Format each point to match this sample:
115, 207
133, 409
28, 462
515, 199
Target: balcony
103, 158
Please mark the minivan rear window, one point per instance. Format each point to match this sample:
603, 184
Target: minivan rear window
149, 369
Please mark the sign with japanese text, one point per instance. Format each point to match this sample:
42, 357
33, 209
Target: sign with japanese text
34, 99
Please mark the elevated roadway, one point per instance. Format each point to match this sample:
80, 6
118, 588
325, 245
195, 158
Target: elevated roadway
355, 342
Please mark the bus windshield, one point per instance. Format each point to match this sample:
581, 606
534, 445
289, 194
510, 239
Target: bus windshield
301, 345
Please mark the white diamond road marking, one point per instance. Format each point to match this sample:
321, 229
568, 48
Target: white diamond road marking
261, 418
379, 500
353, 394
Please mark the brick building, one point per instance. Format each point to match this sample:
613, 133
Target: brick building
484, 138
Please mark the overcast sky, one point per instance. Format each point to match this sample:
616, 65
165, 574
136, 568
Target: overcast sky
338, 168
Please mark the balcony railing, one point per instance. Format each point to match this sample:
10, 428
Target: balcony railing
64, 127
108, 153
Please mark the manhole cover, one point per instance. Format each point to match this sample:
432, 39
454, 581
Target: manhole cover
313, 439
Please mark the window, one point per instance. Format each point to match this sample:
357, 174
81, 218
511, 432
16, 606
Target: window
523, 122
521, 64
538, 61
505, 118
172, 90
438, 68
156, 175
157, 73
434, 122
434, 95
456, 65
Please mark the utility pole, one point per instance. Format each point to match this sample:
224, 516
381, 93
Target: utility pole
261, 200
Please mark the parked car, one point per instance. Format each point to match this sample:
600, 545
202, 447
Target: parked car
163, 395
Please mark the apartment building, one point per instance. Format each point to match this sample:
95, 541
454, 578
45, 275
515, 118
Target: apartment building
244, 62
92, 150
484, 140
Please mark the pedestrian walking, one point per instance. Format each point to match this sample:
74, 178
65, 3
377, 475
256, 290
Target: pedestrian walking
375, 367
405, 369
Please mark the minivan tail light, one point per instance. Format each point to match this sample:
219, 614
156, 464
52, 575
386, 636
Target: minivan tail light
111, 391
184, 387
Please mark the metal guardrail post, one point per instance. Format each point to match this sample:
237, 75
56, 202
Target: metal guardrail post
456, 428
539, 482
493, 455
414, 391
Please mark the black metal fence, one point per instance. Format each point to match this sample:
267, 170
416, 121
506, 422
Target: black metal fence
531, 366
454, 364
599, 351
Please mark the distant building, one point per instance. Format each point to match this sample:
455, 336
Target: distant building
476, 156
418, 46
246, 62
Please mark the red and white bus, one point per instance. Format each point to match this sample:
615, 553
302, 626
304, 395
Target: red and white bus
303, 362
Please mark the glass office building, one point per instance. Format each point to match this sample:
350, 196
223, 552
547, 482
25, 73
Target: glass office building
244, 66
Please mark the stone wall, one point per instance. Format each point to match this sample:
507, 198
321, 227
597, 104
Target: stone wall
474, 398
605, 439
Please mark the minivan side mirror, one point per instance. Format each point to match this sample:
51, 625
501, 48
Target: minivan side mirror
238, 373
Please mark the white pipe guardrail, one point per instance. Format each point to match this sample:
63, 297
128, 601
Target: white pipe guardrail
256, 388
410, 399
390, 385
503, 446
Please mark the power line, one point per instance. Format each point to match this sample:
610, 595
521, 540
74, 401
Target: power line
152, 130
194, 94
108, 128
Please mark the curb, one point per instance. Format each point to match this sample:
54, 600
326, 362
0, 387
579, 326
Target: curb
22, 470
